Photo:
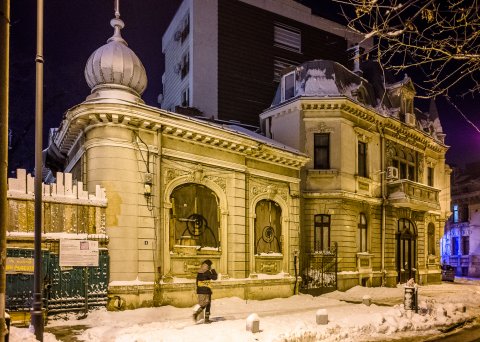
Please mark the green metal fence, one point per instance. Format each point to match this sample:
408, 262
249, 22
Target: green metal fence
65, 289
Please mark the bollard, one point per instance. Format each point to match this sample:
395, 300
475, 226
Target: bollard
322, 316
253, 323
367, 300
410, 298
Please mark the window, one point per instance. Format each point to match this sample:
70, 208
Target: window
185, 66
465, 245
464, 213
268, 227
455, 213
321, 157
431, 239
455, 245
405, 162
362, 159
321, 234
194, 217
288, 86
287, 37
430, 176
186, 98
362, 233
279, 65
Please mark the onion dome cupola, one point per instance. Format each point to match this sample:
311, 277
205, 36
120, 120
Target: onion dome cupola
114, 71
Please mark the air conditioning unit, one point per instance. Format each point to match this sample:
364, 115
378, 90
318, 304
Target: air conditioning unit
177, 68
392, 173
177, 35
410, 119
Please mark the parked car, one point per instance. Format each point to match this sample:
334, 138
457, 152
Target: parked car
448, 273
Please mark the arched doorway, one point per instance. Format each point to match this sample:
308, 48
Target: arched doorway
406, 250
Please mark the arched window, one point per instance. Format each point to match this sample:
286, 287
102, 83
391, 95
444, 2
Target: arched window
431, 238
268, 227
194, 217
362, 233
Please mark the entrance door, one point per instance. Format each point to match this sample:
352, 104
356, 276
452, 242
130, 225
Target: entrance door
406, 250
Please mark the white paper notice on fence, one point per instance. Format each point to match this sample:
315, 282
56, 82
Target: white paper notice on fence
78, 253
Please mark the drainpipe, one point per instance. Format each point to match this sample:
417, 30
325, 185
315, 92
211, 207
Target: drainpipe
382, 185
4, 86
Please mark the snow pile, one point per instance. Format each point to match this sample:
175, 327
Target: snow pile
286, 319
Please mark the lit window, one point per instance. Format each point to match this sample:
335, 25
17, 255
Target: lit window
287, 37
194, 217
268, 227
321, 157
455, 246
455, 213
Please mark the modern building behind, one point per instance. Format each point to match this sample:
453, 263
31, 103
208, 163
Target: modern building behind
376, 190
461, 243
224, 58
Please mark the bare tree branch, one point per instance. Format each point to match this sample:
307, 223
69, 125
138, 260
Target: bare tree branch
441, 37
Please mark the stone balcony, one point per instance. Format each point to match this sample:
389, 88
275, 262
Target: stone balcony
406, 193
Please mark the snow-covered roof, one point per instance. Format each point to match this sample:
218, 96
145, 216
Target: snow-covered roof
371, 88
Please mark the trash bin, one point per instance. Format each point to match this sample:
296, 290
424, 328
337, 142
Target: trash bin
410, 298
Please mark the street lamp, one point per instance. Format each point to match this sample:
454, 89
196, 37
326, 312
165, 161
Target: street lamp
36, 313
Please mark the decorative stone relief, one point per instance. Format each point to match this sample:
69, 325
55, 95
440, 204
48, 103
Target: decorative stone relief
321, 128
174, 173
220, 181
389, 152
196, 175
270, 190
421, 165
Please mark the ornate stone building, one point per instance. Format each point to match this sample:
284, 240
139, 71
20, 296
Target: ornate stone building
376, 186
180, 190
461, 243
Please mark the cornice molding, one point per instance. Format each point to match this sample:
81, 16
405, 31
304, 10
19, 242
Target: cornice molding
135, 116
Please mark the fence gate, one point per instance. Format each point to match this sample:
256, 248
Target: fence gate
65, 289
319, 271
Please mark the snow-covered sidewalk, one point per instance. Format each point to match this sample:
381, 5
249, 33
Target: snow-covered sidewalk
286, 319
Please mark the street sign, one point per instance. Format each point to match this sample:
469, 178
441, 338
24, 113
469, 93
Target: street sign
19, 265
78, 253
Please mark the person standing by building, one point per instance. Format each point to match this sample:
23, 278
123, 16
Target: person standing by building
204, 290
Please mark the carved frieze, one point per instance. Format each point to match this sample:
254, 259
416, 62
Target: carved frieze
320, 127
271, 190
171, 174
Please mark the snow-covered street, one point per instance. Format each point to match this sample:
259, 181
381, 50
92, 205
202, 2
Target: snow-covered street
286, 319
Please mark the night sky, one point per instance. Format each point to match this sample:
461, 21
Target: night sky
74, 29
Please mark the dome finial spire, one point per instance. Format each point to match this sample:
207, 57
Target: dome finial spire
117, 9
117, 25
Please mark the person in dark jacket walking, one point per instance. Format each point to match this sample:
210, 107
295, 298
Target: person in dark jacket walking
204, 290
